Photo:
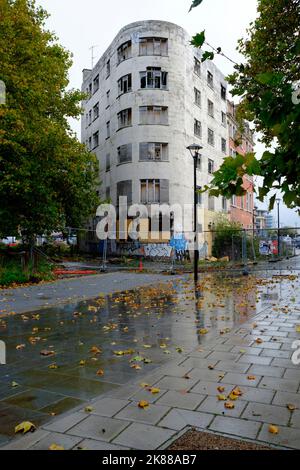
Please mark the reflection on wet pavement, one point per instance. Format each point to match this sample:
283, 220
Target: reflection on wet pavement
60, 357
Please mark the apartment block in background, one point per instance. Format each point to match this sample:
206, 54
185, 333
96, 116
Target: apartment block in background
149, 97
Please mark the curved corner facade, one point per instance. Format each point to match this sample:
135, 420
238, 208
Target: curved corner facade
149, 98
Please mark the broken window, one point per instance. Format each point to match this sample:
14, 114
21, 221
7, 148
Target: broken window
108, 129
124, 51
210, 108
223, 118
96, 111
154, 78
95, 139
150, 151
197, 128
197, 97
210, 79
96, 83
211, 137
124, 84
107, 68
223, 92
154, 46
223, 145
124, 118
197, 66
107, 166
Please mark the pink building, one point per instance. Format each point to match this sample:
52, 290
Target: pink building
242, 207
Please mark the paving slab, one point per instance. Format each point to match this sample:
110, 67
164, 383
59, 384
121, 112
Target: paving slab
295, 419
143, 437
267, 413
287, 437
266, 371
149, 415
235, 427
98, 428
66, 422
58, 439
175, 399
285, 398
178, 419
90, 444
284, 385
175, 383
241, 379
214, 406
252, 359
107, 406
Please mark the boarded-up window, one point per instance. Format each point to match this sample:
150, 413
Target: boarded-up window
153, 115
154, 46
125, 153
154, 191
124, 188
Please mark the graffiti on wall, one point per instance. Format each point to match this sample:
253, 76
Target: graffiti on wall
158, 250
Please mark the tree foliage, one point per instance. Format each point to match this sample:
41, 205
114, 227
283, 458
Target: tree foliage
267, 85
47, 178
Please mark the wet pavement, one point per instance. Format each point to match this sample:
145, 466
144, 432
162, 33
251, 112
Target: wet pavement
61, 357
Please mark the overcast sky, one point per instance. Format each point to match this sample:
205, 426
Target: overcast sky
80, 24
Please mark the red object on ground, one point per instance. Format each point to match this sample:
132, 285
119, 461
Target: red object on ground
65, 271
141, 265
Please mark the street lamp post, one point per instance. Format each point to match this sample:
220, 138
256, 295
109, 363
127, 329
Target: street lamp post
278, 225
194, 150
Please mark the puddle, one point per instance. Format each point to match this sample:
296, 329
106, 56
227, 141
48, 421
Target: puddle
95, 346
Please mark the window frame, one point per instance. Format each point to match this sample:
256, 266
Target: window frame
211, 137
154, 75
163, 148
210, 166
126, 79
150, 50
145, 119
124, 118
126, 46
197, 124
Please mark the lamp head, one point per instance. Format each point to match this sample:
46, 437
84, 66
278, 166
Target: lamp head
194, 149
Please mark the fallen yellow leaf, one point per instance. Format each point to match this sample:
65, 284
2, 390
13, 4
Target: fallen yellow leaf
143, 404
24, 427
222, 398
291, 407
88, 409
229, 405
273, 429
56, 447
